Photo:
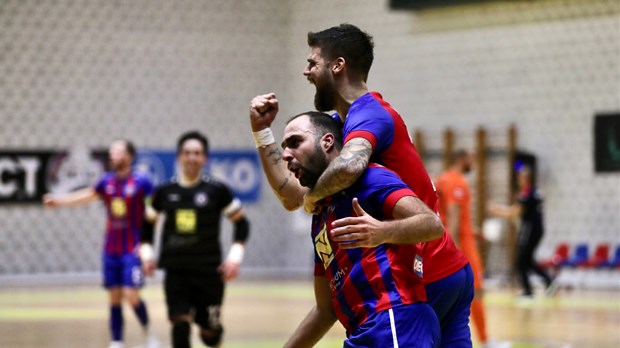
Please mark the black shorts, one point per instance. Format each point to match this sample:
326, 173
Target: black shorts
195, 294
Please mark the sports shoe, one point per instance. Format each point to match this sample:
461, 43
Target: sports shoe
524, 299
151, 341
496, 344
552, 289
116, 344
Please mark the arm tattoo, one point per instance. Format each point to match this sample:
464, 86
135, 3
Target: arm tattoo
275, 155
345, 169
282, 186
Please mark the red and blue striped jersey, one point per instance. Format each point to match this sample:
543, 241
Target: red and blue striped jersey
372, 118
365, 281
124, 202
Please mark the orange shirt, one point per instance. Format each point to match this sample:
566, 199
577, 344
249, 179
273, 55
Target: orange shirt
452, 188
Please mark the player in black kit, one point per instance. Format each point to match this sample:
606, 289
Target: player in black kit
190, 253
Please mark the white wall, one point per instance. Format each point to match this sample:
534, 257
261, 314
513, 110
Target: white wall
83, 73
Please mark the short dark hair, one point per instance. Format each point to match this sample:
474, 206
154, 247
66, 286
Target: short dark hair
323, 123
196, 135
347, 41
457, 155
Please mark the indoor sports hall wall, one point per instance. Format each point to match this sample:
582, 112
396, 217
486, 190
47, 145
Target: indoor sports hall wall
546, 66
78, 74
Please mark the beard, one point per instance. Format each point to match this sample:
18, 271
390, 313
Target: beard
316, 166
325, 97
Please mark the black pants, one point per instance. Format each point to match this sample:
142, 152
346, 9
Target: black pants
529, 238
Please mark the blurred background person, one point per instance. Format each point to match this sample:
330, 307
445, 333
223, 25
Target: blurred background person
529, 207
193, 204
455, 212
123, 192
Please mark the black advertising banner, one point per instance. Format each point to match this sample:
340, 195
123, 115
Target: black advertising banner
25, 176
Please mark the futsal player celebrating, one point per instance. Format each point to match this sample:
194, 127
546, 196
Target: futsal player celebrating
123, 192
338, 65
368, 274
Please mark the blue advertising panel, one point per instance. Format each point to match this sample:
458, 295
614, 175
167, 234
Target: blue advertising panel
239, 169
26, 175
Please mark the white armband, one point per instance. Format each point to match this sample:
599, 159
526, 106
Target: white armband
146, 252
235, 254
263, 137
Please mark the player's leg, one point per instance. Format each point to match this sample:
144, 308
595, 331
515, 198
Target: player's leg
477, 305
533, 265
112, 281
414, 325
524, 254
176, 288
451, 299
133, 280
208, 301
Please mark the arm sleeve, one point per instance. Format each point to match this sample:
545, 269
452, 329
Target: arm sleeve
377, 127
100, 186
147, 232
242, 230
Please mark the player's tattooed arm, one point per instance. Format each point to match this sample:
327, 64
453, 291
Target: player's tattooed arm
341, 173
283, 182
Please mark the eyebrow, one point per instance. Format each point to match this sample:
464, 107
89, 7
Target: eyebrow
291, 137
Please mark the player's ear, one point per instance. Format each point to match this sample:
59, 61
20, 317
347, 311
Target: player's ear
338, 65
327, 142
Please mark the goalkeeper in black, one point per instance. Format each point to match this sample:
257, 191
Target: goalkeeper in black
191, 206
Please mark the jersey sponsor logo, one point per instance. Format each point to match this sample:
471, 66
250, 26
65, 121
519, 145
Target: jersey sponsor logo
336, 282
110, 189
130, 190
174, 197
201, 199
186, 220
323, 247
418, 266
118, 207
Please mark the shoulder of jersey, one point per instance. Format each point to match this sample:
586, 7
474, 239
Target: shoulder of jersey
141, 176
207, 179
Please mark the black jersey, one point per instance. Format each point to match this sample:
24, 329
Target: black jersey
531, 202
191, 231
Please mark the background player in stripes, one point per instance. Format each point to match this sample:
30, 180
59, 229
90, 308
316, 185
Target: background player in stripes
192, 205
123, 192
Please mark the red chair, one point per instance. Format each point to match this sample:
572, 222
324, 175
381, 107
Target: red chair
600, 257
558, 259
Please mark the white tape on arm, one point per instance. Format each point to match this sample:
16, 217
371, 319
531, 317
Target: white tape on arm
235, 254
146, 252
263, 137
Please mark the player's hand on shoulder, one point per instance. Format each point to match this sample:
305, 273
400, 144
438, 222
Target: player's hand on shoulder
263, 110
361, 231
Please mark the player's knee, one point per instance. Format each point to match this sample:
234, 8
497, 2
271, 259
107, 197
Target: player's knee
180, 333
211, 337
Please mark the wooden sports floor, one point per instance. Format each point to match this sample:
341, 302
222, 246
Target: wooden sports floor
261, 314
